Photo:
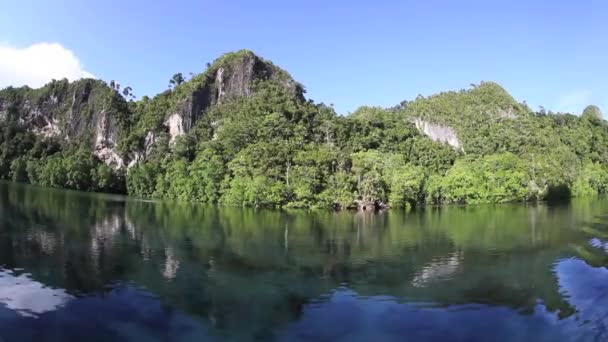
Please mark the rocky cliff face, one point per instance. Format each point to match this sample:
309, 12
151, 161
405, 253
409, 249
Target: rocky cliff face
231, 76
86, 110
438, 132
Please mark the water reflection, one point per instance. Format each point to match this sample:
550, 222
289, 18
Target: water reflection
438, 270
587, 288
385, 319
28, 297
122, 313
152, 270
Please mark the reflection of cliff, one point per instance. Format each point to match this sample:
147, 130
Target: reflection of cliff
47, 241
103, 234
438, 270
171, 264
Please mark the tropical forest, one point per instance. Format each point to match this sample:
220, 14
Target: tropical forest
243, 133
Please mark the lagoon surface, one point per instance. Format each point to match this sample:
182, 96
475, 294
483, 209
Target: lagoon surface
91, 267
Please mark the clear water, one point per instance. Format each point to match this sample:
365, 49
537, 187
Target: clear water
90, 267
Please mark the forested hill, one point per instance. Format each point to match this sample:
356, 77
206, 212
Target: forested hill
243, 133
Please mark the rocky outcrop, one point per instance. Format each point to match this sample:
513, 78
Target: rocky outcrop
3, 111
106, 139
177, 125
141, 155
438, 132
83, 111
231, 76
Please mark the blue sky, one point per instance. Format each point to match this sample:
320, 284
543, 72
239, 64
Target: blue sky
349, 53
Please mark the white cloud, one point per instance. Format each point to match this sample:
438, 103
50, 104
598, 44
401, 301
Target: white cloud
37, 64
575, 101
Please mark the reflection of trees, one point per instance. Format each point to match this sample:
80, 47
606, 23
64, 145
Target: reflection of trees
257, 268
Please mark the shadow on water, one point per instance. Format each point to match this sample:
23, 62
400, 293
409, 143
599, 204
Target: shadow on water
559, 194
121, 269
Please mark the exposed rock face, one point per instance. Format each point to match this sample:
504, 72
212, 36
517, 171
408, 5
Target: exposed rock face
3, 111
82, 110
137, 156
438, 132
230, 77
106, 138
50, 130
177, 126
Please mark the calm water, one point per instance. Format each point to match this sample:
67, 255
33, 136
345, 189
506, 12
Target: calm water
77, 266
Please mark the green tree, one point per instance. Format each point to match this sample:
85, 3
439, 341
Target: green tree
591, 180
367, 168
175, 181
176, 80
406, 185
206, 174
592, 113
141, 179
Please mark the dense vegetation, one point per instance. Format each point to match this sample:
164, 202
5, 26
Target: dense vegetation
274, 148
41, 157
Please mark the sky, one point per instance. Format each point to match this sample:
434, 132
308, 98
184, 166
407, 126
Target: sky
552, 53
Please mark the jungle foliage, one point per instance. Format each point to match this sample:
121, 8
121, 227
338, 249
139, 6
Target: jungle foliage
274, 148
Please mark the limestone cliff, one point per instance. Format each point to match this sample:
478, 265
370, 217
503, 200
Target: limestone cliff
438, 132
230, 76
86, 111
